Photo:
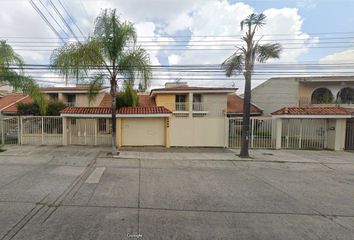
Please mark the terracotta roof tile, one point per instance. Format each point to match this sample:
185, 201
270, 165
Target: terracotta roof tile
235, 105
87, 110
8, 104
124, 110
144, 101
143, 110
312, 111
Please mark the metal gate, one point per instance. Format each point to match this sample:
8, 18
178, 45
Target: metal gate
9, 130
41, 130
349, 135
304, 134
261, 132
87, 131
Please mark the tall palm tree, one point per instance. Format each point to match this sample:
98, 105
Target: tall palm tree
243, 60
12, 74
110, 54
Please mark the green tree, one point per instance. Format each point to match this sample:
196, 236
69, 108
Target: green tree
34, 109
11, 73
112, 50
127, 98
243, 61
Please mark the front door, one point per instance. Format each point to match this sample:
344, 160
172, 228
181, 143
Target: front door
349, 135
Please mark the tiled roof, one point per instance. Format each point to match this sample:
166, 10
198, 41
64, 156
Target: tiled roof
8, 104
144, 101
235, 105
77, 88
106, 100
312, 111
87, 110
124, 110
143, 110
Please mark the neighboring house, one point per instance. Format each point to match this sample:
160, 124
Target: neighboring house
328, 91
321, 107
235, 107
9, 103
77, 96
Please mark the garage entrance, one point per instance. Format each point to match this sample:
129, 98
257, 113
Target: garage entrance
143, 132
349, 135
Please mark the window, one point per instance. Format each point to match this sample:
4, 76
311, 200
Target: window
197, 98
181, 103
322, 96
346, 96
71, 100
197, 102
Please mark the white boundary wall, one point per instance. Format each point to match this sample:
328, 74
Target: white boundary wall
198, 132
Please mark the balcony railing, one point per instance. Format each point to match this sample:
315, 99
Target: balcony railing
198, 107
181, 107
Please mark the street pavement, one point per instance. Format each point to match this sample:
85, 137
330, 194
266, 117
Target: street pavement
77, 192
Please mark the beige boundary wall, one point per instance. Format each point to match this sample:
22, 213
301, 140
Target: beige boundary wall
198, 132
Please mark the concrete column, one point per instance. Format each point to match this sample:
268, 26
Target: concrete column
278, 126
340, 128
167, 132
190, 104
65, 131
119, 131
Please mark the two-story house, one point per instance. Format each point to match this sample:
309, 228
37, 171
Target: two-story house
77, 96
330, 98
176, 115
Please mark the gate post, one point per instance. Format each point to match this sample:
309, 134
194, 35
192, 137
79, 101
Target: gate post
42, 131
278, 127
65, 131
2, 132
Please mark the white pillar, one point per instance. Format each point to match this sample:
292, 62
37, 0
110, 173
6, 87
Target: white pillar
190, 104
278, 126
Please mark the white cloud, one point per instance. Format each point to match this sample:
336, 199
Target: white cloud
174, 59
344, 56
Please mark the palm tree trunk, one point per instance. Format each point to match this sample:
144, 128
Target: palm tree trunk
114, 118
246, 116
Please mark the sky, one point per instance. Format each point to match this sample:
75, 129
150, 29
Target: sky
316, 31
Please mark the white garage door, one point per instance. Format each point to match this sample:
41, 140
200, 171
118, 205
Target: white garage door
143, 132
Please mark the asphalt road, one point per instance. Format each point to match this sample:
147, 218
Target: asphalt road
81, 193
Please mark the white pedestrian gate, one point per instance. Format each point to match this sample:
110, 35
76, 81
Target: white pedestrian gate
262, 133
90, 131
41, 130
9, 130
304, 134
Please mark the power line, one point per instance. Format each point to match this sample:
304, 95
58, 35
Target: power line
50, 14
71, 17
63, 20
45, 19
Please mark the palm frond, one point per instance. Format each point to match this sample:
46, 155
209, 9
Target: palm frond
94, 87
267, 51
136, 64
234, 64
113, 34
75, 59
8, 56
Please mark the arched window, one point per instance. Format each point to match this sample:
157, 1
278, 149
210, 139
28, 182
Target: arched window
322, 96
346, 95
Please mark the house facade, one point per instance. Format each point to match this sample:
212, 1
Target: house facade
328, 91
171, 116
308, 108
